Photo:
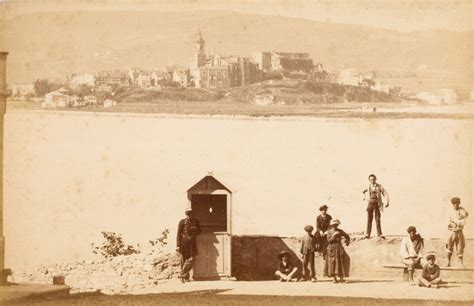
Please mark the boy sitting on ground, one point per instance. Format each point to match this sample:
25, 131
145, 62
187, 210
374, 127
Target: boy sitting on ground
430, 276
285, 270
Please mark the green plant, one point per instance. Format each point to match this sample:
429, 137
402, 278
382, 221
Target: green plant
114, 246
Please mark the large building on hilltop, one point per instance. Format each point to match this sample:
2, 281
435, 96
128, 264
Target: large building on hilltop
217, 71
269, 61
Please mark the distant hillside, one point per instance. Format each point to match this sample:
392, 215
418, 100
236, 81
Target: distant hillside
287, 92
55, 44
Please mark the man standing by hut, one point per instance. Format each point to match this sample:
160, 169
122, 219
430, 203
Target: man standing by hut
188, 229
457, 219
374, 195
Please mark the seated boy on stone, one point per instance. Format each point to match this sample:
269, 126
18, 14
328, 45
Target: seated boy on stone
285, 270
430, 276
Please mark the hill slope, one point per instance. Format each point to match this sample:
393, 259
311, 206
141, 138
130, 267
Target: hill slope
55, 44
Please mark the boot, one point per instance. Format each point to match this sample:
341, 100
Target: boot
450, 255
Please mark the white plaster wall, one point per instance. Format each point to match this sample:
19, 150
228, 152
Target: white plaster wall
69, 176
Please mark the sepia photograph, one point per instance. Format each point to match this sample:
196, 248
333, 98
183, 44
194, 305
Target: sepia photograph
238, 152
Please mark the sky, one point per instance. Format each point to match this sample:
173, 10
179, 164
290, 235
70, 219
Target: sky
400, 15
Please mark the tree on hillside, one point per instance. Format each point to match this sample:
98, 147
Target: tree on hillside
366, 82
83, 90
43, 86
395, 91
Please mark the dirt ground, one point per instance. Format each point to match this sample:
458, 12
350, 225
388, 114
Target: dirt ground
213, 298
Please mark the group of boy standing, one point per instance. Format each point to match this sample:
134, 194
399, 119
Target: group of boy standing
411, 248
328, 241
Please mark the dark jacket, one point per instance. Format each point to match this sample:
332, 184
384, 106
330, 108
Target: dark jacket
336, 235
322, 223
307, 244
285, 269
188, 229
430, 273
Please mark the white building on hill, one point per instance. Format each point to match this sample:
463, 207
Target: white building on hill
78, 79
57, 98
449, 96
23, 89
349, 77
430, 97
443, 96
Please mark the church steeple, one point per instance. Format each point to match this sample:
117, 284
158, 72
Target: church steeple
199, 56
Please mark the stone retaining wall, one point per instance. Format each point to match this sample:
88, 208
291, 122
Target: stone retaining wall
121, 274
253, 258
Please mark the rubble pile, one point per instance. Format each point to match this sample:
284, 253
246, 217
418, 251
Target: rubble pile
115, 275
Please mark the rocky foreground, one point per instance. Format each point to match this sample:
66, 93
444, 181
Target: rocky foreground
115, 275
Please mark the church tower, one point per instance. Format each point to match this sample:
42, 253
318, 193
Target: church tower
199, 55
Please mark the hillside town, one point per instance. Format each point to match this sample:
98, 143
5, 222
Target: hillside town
211, 72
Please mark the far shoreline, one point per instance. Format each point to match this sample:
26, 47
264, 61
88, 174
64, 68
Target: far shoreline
333, 115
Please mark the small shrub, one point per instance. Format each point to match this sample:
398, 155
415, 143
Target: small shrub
162, 240
114, 246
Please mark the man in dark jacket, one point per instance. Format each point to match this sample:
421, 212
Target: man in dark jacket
307, 254
188, 229
322, 225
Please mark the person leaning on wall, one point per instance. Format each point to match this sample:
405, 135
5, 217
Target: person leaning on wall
188, 229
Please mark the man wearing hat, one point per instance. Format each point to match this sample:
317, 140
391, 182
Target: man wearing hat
323, 220
307, 253
457, 219
374, 195
285, 270
322, 225
411, 251
188, 229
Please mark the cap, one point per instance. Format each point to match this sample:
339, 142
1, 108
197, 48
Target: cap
334, 222
324, 207
411, 229
455, 200
308, 228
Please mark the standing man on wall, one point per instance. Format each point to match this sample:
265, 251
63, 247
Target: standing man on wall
188, 229
374, 196
457, 219
322, 225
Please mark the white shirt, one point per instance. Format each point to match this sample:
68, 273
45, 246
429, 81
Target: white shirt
407, 250
457, 218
